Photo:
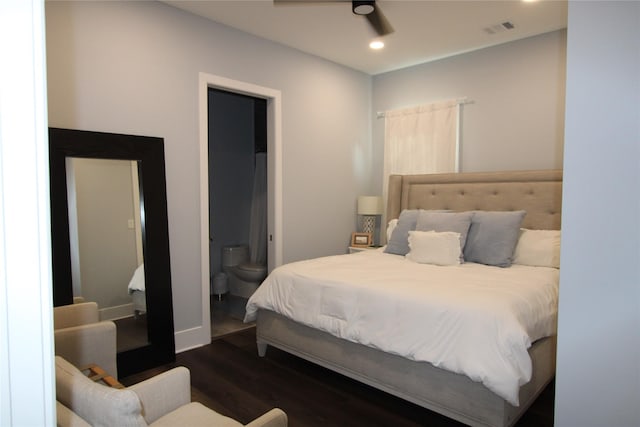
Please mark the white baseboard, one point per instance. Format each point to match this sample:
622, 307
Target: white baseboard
191, 338
116, 312
185, 340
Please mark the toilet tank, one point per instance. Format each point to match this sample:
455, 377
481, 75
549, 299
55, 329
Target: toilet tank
234, 255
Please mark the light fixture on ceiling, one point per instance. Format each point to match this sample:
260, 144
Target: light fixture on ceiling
366, 8
363, 7
376, 44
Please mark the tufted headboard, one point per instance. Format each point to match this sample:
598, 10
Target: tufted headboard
537, 192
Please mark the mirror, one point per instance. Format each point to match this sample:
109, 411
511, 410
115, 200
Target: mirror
110, 237
105, 231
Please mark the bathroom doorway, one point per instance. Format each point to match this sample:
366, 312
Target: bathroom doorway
237, 198
273, 100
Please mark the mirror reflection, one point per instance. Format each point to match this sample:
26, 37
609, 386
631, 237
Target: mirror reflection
110, 238
105, 234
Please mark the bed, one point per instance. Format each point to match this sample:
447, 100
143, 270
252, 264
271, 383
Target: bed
460, 387
137, 290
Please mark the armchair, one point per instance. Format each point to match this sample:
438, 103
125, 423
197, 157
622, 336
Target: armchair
82, 339
163, 400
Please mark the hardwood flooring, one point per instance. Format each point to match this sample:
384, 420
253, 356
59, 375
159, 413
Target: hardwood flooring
132, 332
229, 377
227, 315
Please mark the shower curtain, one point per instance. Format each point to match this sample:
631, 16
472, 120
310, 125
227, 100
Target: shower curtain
258, 226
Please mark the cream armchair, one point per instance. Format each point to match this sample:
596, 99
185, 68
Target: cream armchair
82, 339
164, 400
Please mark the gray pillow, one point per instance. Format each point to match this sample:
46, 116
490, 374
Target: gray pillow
492, 237
399, 242
457, 222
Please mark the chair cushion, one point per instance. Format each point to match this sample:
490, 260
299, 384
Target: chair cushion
97, 404
65, 417
66, 316
195, 414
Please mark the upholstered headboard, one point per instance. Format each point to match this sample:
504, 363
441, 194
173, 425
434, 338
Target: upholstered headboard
537, 192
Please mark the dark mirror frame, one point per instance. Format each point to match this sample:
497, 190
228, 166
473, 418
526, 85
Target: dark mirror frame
149, 152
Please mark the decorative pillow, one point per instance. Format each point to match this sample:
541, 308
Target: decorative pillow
457, 222
390, 227
492, 237
97, 404
538, 248
398, 243
431, 247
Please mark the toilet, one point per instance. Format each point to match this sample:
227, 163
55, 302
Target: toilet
244, 276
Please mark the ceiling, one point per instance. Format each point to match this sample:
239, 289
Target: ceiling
425, 30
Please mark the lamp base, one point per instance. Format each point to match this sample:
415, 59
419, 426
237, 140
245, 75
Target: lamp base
368, 224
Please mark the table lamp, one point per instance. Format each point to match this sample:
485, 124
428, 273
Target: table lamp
369, 207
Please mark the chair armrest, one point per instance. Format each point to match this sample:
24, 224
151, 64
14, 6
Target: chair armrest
65, 417
274, 418
86, 344
66, 316
163, 393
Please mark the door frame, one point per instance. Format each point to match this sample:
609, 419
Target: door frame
274, 177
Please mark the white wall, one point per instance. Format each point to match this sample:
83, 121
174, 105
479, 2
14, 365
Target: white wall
27, 387
132, 67
516, 120
106, 244
598, 374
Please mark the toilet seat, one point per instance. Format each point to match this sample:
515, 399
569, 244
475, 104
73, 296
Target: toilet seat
252, 267
250, 272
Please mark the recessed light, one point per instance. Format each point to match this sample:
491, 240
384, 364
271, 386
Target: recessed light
376, 44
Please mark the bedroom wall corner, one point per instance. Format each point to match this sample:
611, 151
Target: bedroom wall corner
515, 120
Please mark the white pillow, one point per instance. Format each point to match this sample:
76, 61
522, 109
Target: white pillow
392, 224
538, 248
432, 247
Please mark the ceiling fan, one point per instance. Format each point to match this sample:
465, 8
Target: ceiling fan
366, 8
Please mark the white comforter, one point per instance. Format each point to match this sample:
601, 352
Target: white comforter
137, 280
471, 319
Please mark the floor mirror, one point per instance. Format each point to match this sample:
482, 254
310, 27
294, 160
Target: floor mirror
110, 240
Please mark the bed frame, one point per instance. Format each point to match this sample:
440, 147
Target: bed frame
450, 394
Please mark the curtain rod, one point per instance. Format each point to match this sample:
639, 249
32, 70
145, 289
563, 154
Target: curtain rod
459, 101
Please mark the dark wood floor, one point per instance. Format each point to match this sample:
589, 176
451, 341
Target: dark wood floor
132, 332
227, 315
229, 377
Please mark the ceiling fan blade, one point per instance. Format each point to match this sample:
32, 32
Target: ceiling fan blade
379, 22
290, 2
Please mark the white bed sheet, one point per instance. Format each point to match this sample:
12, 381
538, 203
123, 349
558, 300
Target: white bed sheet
471, 319
137, 280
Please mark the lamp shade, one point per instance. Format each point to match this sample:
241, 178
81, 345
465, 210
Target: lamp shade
370, 205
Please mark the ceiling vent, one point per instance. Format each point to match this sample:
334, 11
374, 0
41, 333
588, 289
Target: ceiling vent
498, 28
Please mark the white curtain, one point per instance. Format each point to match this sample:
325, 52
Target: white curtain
258, 226
421, 139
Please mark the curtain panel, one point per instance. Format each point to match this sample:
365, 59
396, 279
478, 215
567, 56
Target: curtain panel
421, 140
